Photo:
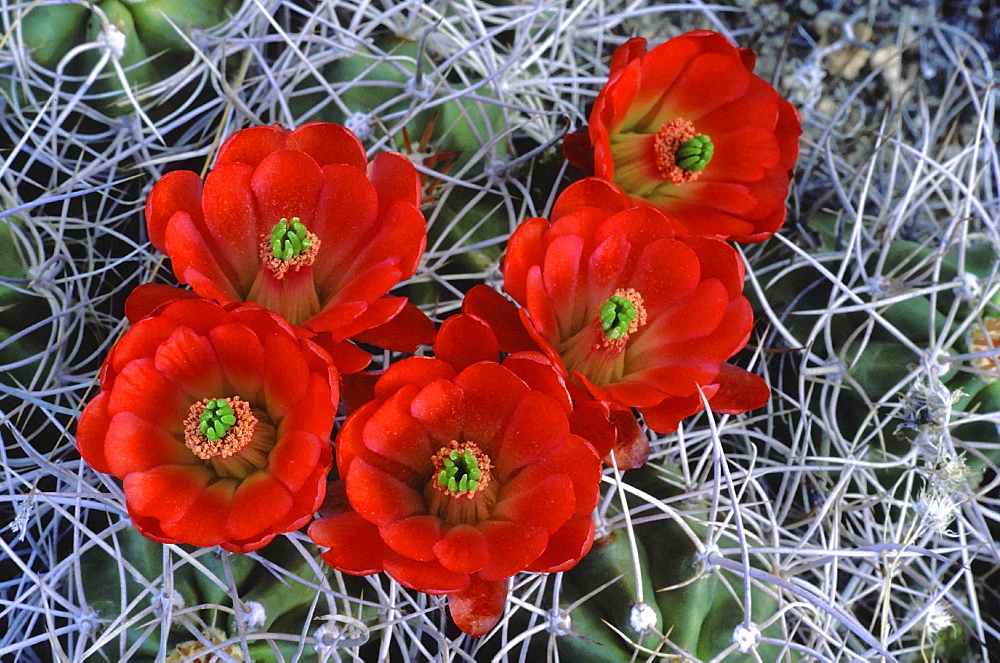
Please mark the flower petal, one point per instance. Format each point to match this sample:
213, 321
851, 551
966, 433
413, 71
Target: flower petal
464, 340
286, 375
380, 497
739, 391
417, 371
231, 220
541, 375
393, 433
134, 445
501, 315
547, 504
491, 395
177, 191
260, 504
204, 524
294, 458
413, 537
241, 355
525, 249
91, 431
708, 82
404, 332
354, 544
189, 360
427, 577
251, 145
346, 219
285, 185
328, 143
478, 608
195, 263
165, 492
463, 549
534, 426
396, 179
142, 389
148, 297
566, 547
440, 409
512, 547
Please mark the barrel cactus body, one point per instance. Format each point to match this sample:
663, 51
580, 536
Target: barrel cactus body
76, 48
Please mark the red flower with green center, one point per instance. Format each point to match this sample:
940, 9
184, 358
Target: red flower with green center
456, 477
690, 129
300, 222
217, 420
634, 313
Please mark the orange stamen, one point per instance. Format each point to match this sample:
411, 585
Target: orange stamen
668, 140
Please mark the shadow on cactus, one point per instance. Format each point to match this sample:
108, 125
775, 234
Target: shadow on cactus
22, 315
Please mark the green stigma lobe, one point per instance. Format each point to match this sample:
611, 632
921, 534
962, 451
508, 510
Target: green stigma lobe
616, 317
289, 240
461, 472
693, 155
216, 419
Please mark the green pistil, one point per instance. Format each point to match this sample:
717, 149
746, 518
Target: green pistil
616, 317
693, 155
461, 472
288, 239
216, 419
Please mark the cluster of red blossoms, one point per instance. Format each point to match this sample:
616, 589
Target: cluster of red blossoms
458, 470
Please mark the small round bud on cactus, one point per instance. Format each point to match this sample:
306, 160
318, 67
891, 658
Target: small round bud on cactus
339, 632
254, 615
745, 637
165, 602
642, 618
560, 622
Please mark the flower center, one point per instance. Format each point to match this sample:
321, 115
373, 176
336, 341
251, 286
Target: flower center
462, 489
598, 349
290, 247
218, 427
230, 435
621, 316
680, 152
460, 472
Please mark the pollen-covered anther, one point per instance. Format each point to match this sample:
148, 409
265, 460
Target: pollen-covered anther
290, 246
621, 316
461, 470
218, 427
680, 152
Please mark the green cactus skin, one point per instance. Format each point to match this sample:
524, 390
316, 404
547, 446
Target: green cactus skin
153, 50
18, 311
610, 557
286, 602
375, 82
699, 613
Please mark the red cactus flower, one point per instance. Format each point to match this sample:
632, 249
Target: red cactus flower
456, 477
300, 222
637, 315
217, 420
490, 325
690, 129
